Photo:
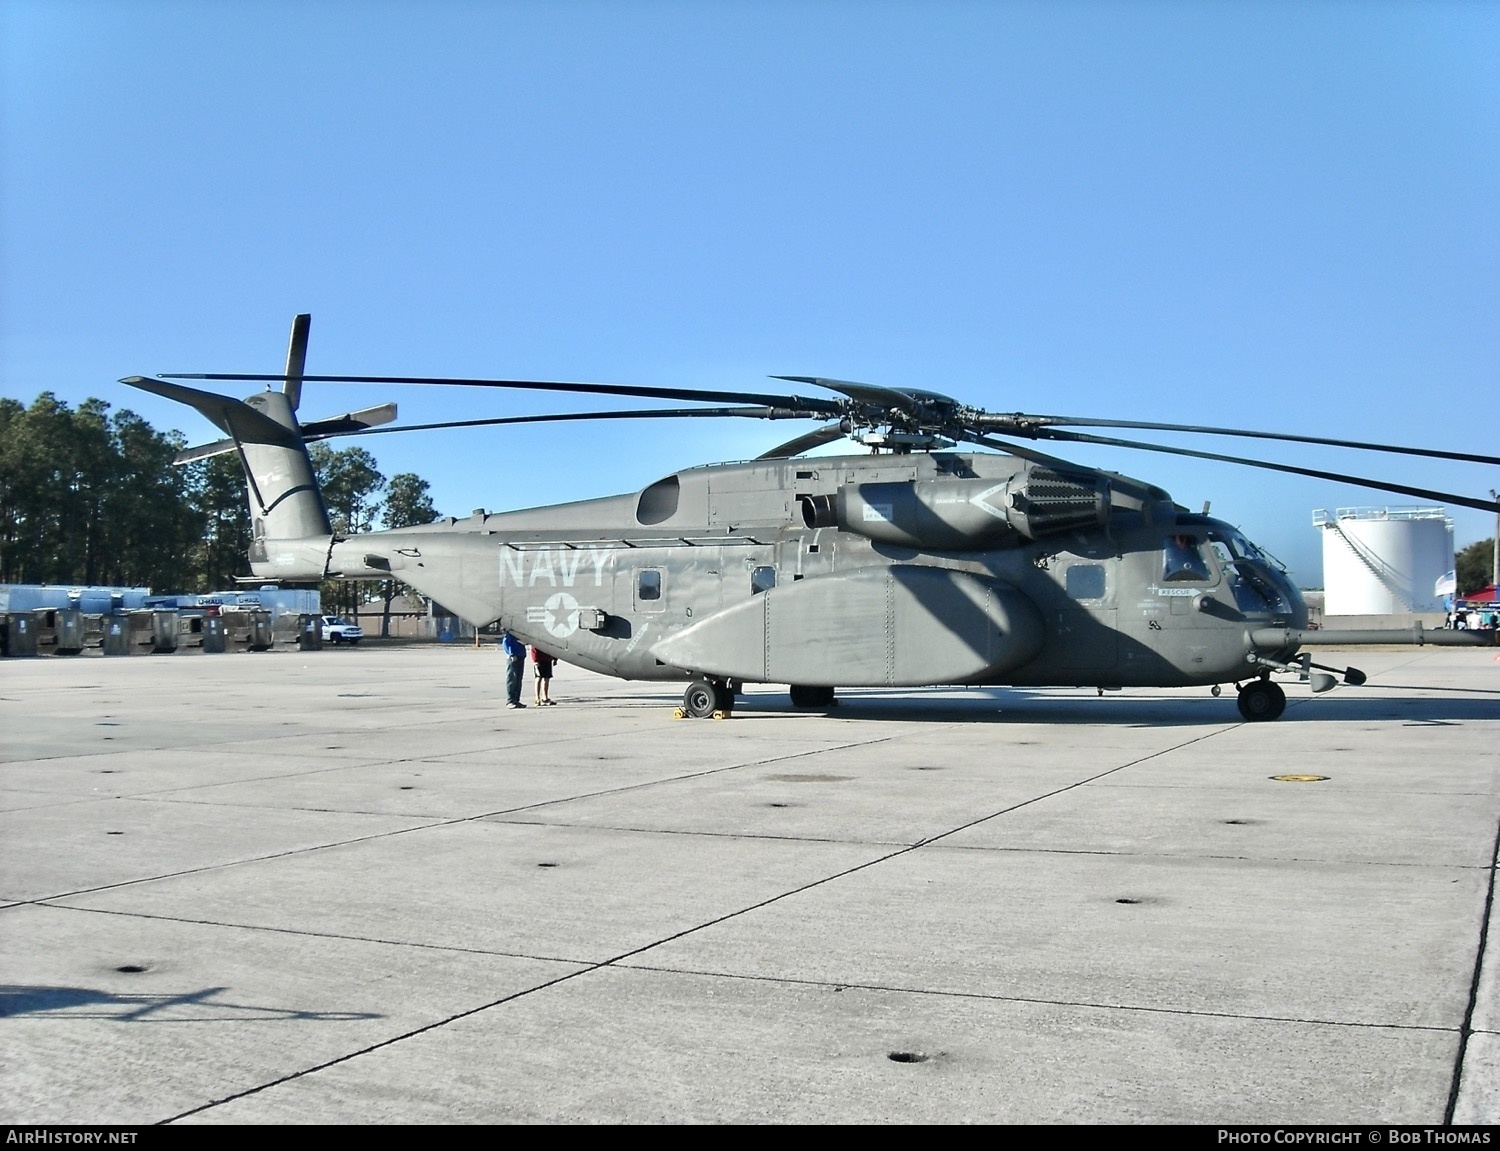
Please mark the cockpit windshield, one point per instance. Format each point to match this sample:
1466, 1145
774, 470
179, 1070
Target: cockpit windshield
1239, 547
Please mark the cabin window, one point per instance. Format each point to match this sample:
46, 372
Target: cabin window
762, 579
649, 587
1182, 562
1085, 581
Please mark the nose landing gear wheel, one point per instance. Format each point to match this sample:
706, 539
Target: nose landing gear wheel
1261, 700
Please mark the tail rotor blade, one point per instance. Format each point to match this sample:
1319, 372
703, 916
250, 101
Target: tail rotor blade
296, 359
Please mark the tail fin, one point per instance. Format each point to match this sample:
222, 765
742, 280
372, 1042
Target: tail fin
285, 502
290, 530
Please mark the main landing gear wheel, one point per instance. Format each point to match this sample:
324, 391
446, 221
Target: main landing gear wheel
1262, 700
803, 696
703, 698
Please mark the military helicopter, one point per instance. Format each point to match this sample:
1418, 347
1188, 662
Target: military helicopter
920, 562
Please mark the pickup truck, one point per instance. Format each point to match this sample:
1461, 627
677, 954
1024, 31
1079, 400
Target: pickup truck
337, 630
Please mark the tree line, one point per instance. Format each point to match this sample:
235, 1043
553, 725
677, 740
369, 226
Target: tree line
1475, 566
92, 497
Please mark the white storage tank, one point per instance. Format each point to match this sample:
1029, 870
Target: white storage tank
1384, 561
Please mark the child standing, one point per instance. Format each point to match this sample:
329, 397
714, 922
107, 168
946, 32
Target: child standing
543, 664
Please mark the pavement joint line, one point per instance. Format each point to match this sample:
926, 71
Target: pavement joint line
45, 805
347, 1056
356, 764
304, 933
1466, 1028
1074, 785
640, 785
895, 989
426, 826
255, 744
997, 848
672, 831
312, 771
1188, 857
1411, 657
1439, 692
1392, 793
231, 863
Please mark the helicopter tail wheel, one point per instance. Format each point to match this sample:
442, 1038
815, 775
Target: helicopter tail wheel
1262, 700
804, 696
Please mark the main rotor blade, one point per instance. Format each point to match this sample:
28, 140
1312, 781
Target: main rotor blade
1337, 477
1057, 463
823, 407
827, 434
1022, 424
760, 413
902, 398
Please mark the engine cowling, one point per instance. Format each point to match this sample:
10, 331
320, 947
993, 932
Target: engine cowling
964, 514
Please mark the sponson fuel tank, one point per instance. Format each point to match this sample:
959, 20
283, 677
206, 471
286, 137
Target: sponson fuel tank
887, 626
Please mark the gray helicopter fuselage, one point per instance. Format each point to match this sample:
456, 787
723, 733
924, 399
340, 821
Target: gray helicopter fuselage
869, 570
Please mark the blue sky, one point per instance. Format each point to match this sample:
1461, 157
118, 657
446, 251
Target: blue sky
1276, 216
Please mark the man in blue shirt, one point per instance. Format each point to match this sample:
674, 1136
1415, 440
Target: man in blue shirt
515, 668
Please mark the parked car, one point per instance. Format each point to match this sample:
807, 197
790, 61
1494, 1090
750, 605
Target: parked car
337, 630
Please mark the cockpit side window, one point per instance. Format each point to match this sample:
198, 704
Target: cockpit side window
1182, 561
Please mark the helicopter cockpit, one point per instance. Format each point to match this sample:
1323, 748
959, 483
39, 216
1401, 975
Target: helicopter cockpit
1202, 550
